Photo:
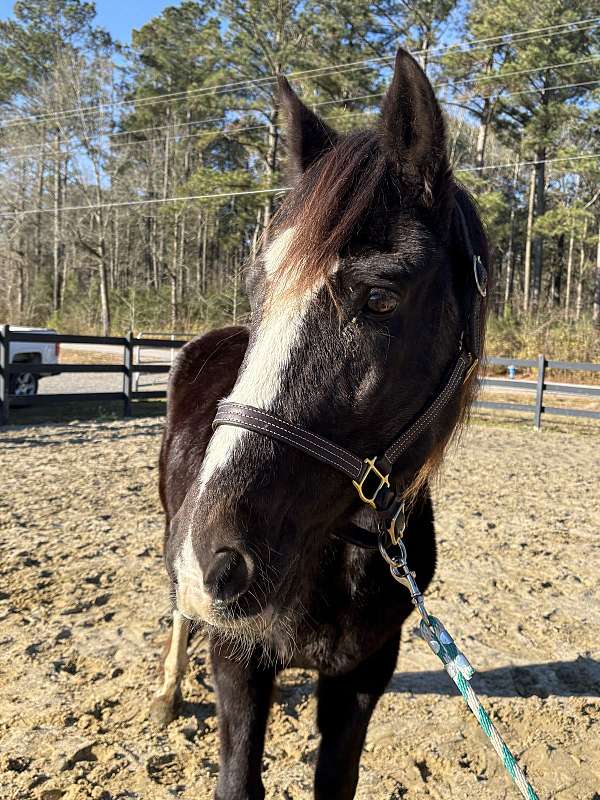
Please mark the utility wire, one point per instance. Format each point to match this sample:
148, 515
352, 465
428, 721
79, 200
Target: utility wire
246, 192
24, 149
171, 126
314, 72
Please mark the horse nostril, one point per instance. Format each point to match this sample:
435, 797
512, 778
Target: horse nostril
228, 575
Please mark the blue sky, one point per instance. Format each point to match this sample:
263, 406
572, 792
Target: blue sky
117, 16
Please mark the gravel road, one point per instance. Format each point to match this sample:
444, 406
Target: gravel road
85, 382
84, 609
68, 383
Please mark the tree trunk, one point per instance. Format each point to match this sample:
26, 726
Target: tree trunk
20, 288
482, 132
235, 297
596, 306
556, 283
114, 248
510, 255
486, 118
569, 272
104, 297
256, 235
199, 251
540, 207
580, 277
538, 241
64, 279
57, 244
527, 265
181, 260
203, 284
127, 275
40, 200
165, 190
173, 276
425, 46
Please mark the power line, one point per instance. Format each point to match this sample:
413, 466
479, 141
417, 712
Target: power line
528, 163
24, 149
332, 69
314, 72
499, 76
236, 131
246, 192
551, 88
154, 201
313, 105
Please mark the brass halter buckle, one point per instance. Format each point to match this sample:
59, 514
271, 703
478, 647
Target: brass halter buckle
383, 480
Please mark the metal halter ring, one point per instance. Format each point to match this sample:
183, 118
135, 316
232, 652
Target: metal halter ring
394, 559
397, 525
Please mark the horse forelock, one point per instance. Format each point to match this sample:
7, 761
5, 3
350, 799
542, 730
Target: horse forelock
325, 211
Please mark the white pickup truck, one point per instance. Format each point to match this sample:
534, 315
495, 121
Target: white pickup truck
25, 384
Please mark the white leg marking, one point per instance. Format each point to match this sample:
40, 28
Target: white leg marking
173, 670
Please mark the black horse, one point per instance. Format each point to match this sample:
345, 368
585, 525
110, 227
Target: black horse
361, 302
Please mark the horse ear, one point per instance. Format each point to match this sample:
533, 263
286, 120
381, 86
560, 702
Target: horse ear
308, 137
412, 126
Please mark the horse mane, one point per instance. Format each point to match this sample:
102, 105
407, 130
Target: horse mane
332, 200
459, 250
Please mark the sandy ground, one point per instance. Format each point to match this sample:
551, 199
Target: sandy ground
84, 609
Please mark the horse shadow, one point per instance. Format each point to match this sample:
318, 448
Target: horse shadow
577, 678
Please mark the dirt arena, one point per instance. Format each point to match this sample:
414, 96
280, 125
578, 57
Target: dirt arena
84, 609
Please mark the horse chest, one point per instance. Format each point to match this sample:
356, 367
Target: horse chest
349, 623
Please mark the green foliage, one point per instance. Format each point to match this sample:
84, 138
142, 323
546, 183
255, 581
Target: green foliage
32, 42
548, 334
218, 130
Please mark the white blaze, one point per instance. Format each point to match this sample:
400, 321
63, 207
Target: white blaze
267, 361
261, 379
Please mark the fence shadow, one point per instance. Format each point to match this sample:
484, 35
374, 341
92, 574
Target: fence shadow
578, 678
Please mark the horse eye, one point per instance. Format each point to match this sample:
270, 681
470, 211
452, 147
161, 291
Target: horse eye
381, 302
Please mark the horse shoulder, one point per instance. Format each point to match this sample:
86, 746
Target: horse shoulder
204, 371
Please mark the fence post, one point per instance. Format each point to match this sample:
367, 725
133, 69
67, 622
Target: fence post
128, 374
4, 375
539, 392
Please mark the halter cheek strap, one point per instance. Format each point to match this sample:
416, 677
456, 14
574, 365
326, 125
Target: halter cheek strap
371, 476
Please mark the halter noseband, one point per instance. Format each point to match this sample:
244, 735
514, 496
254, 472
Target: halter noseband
371, 476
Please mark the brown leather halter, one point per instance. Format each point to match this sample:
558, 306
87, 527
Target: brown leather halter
371, 476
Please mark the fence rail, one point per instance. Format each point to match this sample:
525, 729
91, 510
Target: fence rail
128, 369
540, 387
149, 338
132, 369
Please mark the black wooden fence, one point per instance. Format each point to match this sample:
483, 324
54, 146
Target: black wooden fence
539, 387
127, 369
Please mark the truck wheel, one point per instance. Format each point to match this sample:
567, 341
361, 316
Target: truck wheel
25, 384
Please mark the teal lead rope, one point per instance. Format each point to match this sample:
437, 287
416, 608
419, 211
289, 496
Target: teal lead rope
442, 644
459, 669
